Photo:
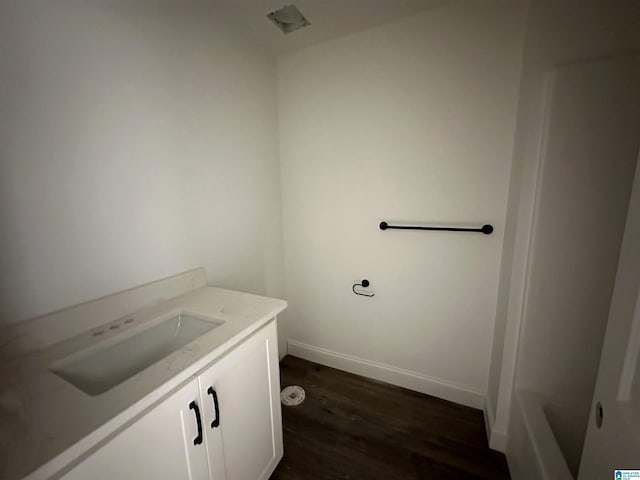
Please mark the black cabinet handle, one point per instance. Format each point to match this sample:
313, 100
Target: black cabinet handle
194, 406
216, 421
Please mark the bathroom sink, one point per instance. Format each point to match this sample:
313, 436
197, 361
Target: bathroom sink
103, 366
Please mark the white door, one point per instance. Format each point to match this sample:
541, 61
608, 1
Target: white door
164, 444
247, 422
613, 432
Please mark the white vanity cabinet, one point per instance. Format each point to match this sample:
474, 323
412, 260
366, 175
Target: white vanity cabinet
224, 424
158, 445
246, 383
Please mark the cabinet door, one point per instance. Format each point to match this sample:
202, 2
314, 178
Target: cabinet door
246, 383
160, 445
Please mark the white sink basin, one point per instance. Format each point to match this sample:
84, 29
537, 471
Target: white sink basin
111, 362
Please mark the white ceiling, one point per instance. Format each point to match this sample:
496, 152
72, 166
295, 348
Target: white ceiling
329, 19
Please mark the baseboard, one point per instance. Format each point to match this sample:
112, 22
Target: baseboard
488, 417
497, 438
387, 373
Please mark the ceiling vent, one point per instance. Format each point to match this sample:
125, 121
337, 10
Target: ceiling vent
288, 19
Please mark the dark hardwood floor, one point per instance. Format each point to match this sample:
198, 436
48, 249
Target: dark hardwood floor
351, 427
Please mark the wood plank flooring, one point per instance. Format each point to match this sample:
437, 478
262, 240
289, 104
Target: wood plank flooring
351, 427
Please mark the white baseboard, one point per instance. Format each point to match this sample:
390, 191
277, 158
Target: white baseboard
387, 373
497, 438
488, 417
498, 441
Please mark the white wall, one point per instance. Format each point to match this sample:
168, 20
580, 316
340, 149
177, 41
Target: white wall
139, 140
412, 121
557, 32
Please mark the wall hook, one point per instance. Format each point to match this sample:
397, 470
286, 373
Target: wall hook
364, 284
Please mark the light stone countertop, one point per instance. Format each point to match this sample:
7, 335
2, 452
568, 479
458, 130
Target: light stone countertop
46, 422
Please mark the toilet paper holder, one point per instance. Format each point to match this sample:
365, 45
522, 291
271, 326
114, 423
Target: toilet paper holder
364, 284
